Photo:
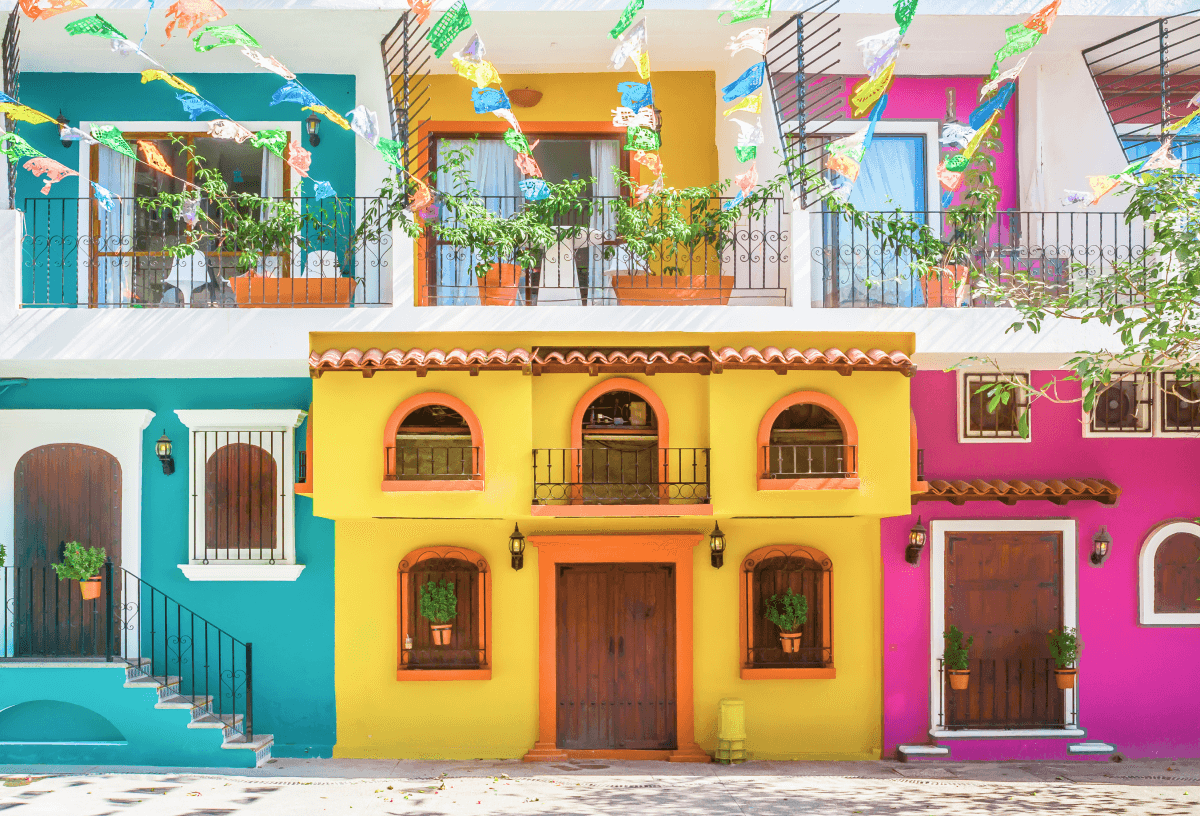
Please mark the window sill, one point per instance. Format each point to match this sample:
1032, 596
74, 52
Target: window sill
832, 483
303, 488
826, 673
443, 674
1007, 733
241, 572
430, 485
619, 510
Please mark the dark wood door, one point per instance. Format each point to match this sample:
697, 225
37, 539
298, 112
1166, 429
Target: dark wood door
1004, 589
616, 656
62, 493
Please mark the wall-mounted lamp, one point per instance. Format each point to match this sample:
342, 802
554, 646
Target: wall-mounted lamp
162, 449
716, 543
918, 536
516, 546
63, 124
1100, 544
313, 125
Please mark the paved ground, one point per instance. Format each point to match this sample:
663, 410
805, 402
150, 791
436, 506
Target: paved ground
290, 787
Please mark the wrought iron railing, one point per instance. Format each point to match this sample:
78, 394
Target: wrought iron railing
405, 463
1008, 693
189, 658
1057, 250
609, 475
747, 264
77, 254
809, 461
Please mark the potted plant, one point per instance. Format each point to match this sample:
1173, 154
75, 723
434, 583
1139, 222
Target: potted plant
438, 604
956, 658
82, 564
789, 612
1065, 647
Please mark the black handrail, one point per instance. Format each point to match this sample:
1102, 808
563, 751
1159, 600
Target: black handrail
621, 472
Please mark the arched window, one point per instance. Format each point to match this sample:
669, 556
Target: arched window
1169, 575
241, 490
433, 442
463, 651
768, 575
619, 455
807, 441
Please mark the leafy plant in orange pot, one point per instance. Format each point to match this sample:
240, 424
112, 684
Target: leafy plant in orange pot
438, 604
789, 612
956, 658
82, 564
1065, 647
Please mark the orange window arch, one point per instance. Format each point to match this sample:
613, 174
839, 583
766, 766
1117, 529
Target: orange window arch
819, 634
636, 388
468, 656
848, 480
401, 413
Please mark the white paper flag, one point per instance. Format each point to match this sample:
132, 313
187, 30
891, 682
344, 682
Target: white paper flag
754, 39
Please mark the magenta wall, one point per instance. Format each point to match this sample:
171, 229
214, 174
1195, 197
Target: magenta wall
1139, 686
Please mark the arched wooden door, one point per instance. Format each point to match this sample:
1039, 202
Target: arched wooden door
63, 492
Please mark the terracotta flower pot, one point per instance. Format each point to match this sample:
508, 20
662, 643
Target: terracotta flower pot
441, 634
90, 588
499, 287
790, 641
959, 678
667, 290
1064, 678
944, 287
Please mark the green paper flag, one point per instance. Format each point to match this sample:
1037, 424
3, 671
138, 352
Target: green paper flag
744, 10
627, 17
905, 11
517, 141
95, 25
110, 136
957, 162
274, 140
390, 150
225, 35
745, 154
455, 21
640, 138
19, 148
1018, 38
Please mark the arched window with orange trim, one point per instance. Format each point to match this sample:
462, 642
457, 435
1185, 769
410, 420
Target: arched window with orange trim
771, 576
807, 441
433, 648
433, 442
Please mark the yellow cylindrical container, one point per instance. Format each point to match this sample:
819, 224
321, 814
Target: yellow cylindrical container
731, 719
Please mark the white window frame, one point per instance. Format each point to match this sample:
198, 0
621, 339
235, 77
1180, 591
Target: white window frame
961, 409
938, 531
241, 422
1151, 385
1159, 406
1146, 614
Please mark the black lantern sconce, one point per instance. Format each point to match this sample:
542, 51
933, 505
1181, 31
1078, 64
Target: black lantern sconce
1101, 542
63, 124
516, 547
162, 449
313, 126
716, 543
918, 537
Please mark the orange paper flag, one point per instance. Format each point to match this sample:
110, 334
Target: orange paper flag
154, 157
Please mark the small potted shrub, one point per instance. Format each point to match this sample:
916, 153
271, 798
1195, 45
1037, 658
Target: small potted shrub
1065, 646
789, 612
82, 564
438, 604
956, 658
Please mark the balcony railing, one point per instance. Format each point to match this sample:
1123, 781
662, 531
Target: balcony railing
747, 265
431, 463
1058, 250
809, 461
1008, 693
76, 254
601, 475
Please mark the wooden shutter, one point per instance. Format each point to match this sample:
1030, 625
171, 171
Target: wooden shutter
240, 485
466, 645
1177, 574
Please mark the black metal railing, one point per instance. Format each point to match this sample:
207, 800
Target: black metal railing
609, 475
239, 496
431, 463
1005, 693
301, 467
809, 461
131, 622
1057, 250
747, 264
77, 254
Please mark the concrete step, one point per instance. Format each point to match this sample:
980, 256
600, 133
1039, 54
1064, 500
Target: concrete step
184, 701
147, 681
1094, 748
908, 753
260, 745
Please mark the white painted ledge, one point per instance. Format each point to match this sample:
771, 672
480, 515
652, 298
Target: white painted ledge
1091, 748
924, 750
242, 572
1003, 733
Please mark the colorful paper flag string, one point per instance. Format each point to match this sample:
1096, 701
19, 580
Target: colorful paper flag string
331, 115
880, 49
1040, 21
646, 117
445, 31
630, 46
52, 170
749, 134
635, 95
223, 36
479, 71
154, 157
268, 63
906, 10
744, 10
639, 138
226, 129
1018, 40
365, 123
996, 103
1012, 73
528, 165
110, 136
36, 10
534, 189
390, 150
507, 115
275, 140
753, 39
957, 135
487, 100
420, 9
627, 16
749, 82
651, 161
95, 26
869, 90
1101, 186
750, 103
74, 134
297, 157
949, 179
746, 153
189, 15
25, 113
152, 74
293, 91
323, 190
517, 141
103, 197
194, 106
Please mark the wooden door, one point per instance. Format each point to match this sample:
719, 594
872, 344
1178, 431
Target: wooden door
1004, 589
616, 656
62, 493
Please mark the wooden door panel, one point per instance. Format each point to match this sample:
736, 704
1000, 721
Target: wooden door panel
586, 678
646, 657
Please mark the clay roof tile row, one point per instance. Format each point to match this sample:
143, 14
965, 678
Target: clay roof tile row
1059, 491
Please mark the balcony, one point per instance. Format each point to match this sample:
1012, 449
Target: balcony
77, 255
748, 264
1057, 250
620, 473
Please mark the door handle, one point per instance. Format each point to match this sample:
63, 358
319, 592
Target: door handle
620, 647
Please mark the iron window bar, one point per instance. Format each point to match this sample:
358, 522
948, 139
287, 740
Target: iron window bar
239, 497
1033, 691
604, 475
809, 461
431, 462
1003, 423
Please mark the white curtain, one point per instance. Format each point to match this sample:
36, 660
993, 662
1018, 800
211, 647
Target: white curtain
272, 187
605, 157
114, 274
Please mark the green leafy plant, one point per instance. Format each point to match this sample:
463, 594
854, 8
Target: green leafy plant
788, 611
1065, 646
956, 655
80, 563
437, 602
3, 555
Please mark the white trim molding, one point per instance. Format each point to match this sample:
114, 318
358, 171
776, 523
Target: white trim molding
241, 572
960, 420
939, 529
1146, 614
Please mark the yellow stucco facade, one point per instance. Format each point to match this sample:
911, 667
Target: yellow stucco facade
381, 716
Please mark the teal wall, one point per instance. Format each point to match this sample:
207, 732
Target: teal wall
52, 236
289, 623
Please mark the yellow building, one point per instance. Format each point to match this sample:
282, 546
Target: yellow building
620, 627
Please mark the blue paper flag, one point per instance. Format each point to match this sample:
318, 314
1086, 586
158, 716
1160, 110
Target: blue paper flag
103, 197
947, 198
873, 120
1192, 128
534, 189
749, 82
980, 115
487, 100
323, 189
737, 199
194, 106
293, 91
635, 95
8, 100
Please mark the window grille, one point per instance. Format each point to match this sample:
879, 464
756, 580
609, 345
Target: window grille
773, 571
239, 496
1126, 406
1180, 405
1003, 421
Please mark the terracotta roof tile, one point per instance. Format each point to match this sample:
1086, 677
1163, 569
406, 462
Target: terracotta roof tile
1013, 490
836, 359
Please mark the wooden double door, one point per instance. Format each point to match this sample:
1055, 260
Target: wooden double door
616, 656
